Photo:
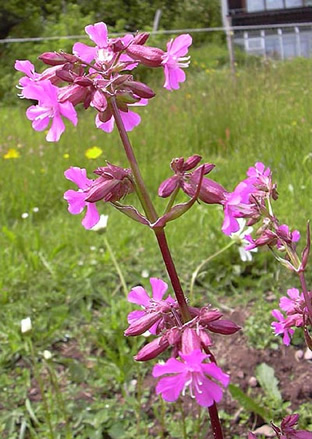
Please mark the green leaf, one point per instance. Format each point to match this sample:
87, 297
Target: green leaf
248, 403
269, 383
31, 412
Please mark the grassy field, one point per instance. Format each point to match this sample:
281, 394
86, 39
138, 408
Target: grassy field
63, 276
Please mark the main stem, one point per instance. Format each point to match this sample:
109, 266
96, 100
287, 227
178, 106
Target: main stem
151, 214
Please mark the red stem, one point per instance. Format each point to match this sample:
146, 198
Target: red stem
151, 213
215, 422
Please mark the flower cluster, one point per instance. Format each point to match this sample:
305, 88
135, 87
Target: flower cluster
190, 343
112, 184
296, 314
94, 76
287, 430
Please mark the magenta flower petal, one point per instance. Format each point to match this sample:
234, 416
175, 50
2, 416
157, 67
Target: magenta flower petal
41, 124
170, 387
172, 78
230, 224
37, 113
216, 373
159, 288
67, 110
130, 119
26, 67
78, 176
171, 366
56, 130
139, 296
105, 126
212, 393
92, 216
76, 201
98, 34
84, 52
179, 46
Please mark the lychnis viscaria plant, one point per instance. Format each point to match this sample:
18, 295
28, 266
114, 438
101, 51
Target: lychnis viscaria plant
101, 76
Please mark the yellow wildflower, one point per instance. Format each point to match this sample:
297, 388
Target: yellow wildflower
93, 153
12, 154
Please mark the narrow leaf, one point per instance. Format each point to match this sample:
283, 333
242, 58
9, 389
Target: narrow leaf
269, 383
248, 403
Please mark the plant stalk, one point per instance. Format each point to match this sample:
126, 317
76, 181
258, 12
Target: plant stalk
151, 213
215, 422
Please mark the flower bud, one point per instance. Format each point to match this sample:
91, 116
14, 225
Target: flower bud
140, 89
207, 316
190, 341
174, 336
64, 75
191, 162
141, 38
225, 327
152, 349
57, 58
168, 186
141, 325
204, 338
148, 56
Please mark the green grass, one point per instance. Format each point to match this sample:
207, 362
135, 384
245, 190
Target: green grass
62, 276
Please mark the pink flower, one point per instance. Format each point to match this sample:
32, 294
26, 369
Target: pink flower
48, 108
174, 60
280, 327
294, 303
129, 118
154, 309
191, 372
103, 52
77, 199
98, 34
210, 191
288, 432
237, 205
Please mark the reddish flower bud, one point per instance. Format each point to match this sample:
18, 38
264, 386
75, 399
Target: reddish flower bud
142, 325
65, 75
140, 89
112, 185
174, 336
148, 56
191, 162
57, 58
204, 338
210, 191
74, 94
207, 316
190, 341
141, 38
225, 327
152, 349
168, 186
84, 81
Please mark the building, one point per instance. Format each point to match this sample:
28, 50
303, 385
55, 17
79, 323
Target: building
286, 30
